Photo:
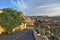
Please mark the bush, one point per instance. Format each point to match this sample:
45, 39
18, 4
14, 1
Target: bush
10, 19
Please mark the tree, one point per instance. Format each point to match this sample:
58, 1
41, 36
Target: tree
10, 19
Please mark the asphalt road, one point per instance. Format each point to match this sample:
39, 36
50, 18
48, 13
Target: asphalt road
26, 36
20, 35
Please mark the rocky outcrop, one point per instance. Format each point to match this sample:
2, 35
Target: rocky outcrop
42, 37
26, 19
2, 29
20, 27
1, 11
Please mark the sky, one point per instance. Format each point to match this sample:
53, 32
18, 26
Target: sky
34, 7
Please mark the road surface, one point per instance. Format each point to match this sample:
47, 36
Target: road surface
24, 35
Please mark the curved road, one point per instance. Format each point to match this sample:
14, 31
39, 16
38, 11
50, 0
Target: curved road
24, 35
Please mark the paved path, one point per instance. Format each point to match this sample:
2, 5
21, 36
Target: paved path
35, 34
24, 35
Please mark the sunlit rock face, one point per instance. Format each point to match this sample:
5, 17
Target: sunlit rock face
1, 11
2, 29
20, 27
26, 19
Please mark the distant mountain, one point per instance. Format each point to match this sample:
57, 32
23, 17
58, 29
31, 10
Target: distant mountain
56, 17
45, 17
38, 17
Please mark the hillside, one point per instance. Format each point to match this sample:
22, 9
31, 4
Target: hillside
11, 20
49, 26
26, 19
56, 17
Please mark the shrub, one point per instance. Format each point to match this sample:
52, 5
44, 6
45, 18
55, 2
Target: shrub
10, 19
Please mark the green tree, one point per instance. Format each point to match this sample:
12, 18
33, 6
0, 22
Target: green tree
10, 19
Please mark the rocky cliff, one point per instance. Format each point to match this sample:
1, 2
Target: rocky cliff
26, 19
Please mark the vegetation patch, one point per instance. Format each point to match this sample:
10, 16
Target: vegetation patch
9, 19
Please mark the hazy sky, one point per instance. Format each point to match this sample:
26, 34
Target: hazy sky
34, 7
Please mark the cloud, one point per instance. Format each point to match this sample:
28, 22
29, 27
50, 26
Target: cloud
19, 4
39, 7
50, 11
22, 4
